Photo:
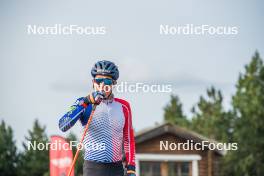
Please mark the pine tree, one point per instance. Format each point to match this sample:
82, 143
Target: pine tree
248, 104
8, 151
173, 112
210, 119
35, 162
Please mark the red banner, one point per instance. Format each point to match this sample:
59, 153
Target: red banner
60, 157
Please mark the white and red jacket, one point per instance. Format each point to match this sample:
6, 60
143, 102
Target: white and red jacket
110, 132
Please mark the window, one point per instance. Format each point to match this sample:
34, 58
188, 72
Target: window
185, 169
178, 169
150, 168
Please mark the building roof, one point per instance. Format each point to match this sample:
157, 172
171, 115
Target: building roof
169, 128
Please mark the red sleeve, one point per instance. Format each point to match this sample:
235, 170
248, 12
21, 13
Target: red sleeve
128, 133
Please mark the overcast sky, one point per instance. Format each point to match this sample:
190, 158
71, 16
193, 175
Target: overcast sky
42, 75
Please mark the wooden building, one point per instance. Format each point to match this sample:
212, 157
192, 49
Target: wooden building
153, 160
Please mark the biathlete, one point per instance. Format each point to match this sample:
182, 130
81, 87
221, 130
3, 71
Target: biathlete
110, 133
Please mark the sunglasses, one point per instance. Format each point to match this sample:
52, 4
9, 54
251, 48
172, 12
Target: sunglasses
106, 81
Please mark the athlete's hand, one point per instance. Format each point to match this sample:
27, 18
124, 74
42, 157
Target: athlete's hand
95, 97
131, 170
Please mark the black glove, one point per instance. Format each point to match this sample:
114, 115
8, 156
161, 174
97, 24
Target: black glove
94, 98
131, 170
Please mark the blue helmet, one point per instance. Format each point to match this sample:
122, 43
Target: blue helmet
106, 68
